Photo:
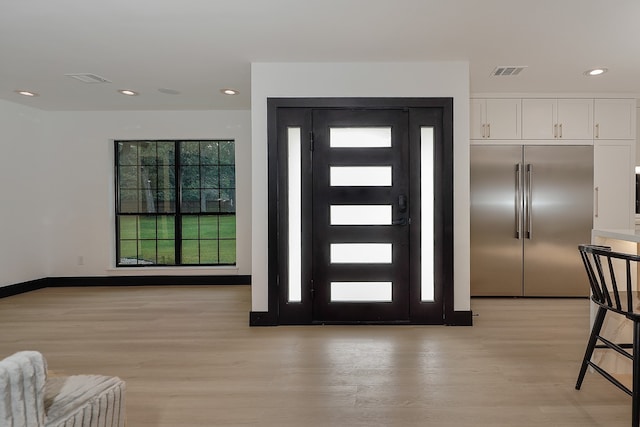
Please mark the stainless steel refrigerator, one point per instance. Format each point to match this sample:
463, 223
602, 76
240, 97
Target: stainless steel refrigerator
530, 208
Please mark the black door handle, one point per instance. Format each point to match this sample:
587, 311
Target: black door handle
402, 203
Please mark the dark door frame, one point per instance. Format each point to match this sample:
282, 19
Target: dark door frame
296, 112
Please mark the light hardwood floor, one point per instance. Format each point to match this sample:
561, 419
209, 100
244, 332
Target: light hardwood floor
190, 359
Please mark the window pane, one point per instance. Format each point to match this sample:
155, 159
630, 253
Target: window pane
147, 153
208, 252
128, 252
294, 172
189, 153
166, 177
128, 177
361, 253
227, 200
210, 200
427, 214
227, 226
129, 202
227, 251
208, 227
210, 177
209, 153
361, 291
190, 252
361, 214
360, 176
190, 201
227, 153
147, 227
190, 177
128, 227
227, 176
166, 252
166, 227
147, 251
360, 137
190, 227
166, 153
148, 177
127, 153
165, 200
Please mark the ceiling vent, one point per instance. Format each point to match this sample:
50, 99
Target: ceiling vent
508, 70
88, 78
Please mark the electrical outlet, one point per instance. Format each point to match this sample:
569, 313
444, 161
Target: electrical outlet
80, 260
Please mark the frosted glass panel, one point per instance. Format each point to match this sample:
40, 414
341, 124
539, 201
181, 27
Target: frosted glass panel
361, 253
361, 291
427, 196
295, 216
360, 137
360, 176
361, 214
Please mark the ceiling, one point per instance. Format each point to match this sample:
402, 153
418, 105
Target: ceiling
197, 47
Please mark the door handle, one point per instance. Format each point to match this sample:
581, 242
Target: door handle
402, 203
518, 201
527, 200
401, 221
402, 209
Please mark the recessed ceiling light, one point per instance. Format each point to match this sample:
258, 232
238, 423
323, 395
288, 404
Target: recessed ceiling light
595, 71
229, 91
128, 92
26, 93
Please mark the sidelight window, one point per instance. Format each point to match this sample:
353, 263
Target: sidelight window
175, 203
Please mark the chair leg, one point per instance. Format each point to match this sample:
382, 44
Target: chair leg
635, 387
595, 331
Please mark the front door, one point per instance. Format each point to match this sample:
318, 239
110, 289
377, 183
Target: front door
360, 211
360, 217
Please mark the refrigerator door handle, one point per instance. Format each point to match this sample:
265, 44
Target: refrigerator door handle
527, 200
518, 201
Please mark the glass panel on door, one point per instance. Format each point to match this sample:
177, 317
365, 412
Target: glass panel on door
360, 137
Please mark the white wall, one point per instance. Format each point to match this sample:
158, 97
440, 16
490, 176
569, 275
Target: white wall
66, 159
422, 79
23, 186
81, 216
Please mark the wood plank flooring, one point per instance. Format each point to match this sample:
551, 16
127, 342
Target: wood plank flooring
190, 359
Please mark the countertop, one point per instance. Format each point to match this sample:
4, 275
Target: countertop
629, 235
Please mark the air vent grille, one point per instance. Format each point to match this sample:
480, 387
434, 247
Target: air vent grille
508, 70
88, 78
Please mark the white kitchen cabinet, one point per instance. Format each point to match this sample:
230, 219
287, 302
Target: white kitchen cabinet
558, 119
495, 119
613, 182
615, 119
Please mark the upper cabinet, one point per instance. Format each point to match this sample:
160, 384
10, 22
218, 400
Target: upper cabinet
557, 119
495, 119
615, 119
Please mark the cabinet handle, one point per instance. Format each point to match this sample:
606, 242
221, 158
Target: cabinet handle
555, 131
597, 203
597, 130
488, 130
560, 130
484, 132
